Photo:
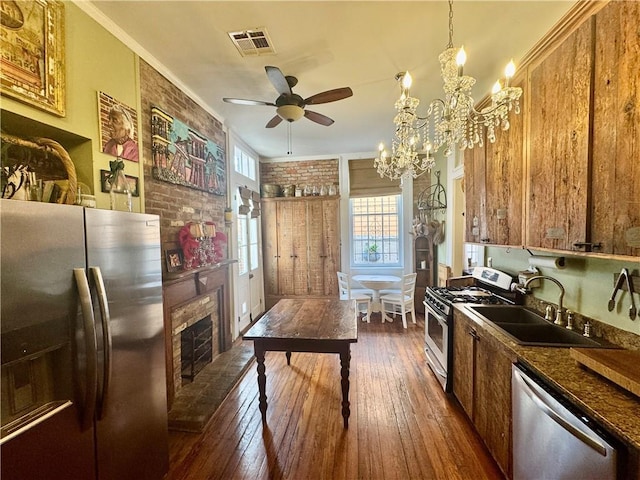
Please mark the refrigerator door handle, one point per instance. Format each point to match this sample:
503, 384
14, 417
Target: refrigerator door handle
96, 276
91, 348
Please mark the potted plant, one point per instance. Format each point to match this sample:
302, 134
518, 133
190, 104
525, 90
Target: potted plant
371, 253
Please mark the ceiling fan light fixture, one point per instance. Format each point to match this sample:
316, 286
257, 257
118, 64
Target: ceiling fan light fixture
290, 113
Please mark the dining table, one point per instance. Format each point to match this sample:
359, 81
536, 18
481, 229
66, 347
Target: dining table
376, 283
305, 325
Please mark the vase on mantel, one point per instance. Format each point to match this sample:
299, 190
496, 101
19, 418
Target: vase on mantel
119, 190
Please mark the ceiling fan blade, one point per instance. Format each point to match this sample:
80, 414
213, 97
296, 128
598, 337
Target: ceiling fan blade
274, 122
242, 101
329, 96
318, 118
278, 80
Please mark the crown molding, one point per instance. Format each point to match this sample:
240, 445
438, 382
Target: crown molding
571, 20
92, 11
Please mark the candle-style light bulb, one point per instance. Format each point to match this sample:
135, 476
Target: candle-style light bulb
510, 69
461, 58
381, 147
406, 81
496, 87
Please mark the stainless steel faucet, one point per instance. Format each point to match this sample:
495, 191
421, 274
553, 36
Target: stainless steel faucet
559, 312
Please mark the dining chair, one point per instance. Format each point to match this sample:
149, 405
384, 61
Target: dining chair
401, 303
361, 300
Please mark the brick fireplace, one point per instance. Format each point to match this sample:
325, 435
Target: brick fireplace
188, 298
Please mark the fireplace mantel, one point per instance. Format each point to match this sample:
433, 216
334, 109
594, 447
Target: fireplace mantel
182, 288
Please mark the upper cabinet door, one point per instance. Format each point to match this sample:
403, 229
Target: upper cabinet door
493, 177
616, 134
475, 194
559, 143
504, 182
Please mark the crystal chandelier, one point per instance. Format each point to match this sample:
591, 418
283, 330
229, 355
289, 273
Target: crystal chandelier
449, 121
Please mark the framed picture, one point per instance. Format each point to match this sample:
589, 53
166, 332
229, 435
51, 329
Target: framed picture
118, 128
105, 187
32, 65
175, 260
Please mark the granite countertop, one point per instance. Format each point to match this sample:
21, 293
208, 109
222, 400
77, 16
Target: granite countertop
614, 408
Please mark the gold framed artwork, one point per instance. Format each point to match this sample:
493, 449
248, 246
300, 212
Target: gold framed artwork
32, 65
118, 128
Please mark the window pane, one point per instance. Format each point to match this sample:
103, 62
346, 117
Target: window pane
244, 164
253, 243
243, 250
375, 230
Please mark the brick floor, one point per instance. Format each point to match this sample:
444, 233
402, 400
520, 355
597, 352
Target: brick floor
196, 402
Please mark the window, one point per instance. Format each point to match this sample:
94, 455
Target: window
247, 244
244, 163
253, 244
375, 232
243, 247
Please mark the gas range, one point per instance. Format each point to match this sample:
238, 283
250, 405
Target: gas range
492, 287
443, 298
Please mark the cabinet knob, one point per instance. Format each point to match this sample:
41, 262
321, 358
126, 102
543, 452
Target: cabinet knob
588, 245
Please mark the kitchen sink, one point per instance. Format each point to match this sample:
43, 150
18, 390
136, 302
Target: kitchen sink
509, 314
526, 327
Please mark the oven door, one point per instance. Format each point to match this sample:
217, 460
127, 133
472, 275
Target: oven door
436, 344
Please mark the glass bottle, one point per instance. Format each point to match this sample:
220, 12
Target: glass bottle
119, 190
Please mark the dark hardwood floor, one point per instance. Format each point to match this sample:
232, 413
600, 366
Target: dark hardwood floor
402, 424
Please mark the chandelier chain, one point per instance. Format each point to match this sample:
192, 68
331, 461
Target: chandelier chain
450, 44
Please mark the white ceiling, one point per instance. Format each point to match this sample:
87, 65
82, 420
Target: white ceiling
325, 45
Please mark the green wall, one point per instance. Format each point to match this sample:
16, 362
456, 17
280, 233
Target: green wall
588, 283
95, 61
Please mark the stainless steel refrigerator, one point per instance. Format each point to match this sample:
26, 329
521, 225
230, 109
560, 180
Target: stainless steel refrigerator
82, 345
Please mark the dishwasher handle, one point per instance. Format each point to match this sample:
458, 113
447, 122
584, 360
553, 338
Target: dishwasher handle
530, 391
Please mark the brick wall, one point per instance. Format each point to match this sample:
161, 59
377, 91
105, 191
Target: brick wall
307, 172
176, 205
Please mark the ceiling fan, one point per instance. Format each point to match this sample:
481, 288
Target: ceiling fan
290, 106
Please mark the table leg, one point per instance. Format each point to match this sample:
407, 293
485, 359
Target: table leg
262, 382
345, 359
377, 306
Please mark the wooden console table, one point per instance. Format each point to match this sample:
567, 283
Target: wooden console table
306, 325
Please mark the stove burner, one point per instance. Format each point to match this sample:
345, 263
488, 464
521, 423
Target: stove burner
441, 298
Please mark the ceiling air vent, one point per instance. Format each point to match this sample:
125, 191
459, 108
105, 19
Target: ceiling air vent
252, 43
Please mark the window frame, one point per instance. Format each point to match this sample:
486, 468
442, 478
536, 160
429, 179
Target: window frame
400, 241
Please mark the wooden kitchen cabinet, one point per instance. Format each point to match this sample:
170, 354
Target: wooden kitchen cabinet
482, 385
301, 246
494, 185
615, 204
575, 147
560, 94
464, 347
475, 194
504, 181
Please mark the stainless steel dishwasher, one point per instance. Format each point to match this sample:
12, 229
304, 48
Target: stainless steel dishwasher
551, 439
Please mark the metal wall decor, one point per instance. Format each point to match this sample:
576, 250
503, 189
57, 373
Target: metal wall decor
32, 67
184, 157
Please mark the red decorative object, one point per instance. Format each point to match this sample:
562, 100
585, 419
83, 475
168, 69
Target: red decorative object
201, 244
